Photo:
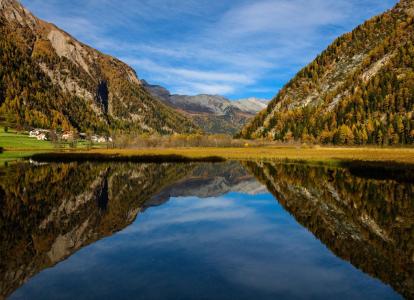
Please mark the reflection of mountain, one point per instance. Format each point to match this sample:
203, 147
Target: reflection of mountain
367, 222
211, 180
49, 212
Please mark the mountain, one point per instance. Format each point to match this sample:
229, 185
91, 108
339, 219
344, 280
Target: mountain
212, 113
49, 79
253, 105
360, 90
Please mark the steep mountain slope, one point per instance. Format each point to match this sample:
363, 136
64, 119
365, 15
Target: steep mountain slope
48, 79
358, 91
212, 113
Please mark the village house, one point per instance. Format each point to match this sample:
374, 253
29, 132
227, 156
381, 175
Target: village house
67, 136
98, 139
39, 134
42, 137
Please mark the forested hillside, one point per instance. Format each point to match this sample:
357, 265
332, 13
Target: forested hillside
358, 91
50, 80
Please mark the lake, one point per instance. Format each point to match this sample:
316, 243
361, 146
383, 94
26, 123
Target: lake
234, 230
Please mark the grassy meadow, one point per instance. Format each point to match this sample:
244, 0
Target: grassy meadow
316, 154
17, 145
305, 154
20, 145
13, 140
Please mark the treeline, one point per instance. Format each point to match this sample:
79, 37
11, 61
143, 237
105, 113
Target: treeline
182, 140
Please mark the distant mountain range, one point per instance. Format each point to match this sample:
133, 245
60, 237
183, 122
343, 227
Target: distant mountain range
360, 90
50, 80
212, 113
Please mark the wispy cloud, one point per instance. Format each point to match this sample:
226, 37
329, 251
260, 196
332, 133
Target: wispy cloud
191, 81
238, 48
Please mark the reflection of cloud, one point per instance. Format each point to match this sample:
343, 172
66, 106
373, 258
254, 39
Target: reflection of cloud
247, 245
212, 209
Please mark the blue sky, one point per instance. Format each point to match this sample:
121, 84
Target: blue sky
237, 48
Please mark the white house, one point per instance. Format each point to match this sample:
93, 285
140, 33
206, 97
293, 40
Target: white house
101, 139
98, 139
42, 137
39, 134
34, 133
67, 136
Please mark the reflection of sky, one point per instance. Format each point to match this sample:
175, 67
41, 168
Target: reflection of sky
232, 247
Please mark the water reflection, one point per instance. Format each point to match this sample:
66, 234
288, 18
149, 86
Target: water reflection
49, 212
214, 220
365, 221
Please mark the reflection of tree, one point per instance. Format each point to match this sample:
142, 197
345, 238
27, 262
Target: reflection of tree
49, 212
367, 222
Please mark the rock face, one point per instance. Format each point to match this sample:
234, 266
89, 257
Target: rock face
355, 92
253, 105
212, 113
75, 86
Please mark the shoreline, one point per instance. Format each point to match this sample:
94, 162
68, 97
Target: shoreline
324, 155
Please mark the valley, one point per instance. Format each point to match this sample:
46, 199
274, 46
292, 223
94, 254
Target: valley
141, 159
212, 113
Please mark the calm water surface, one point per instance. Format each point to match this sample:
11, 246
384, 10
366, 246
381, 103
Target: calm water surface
203, 231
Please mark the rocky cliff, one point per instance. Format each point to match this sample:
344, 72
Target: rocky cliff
49, 79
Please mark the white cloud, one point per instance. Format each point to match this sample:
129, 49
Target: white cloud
199, 46
196, 81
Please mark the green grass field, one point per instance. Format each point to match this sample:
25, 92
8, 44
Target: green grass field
323, 155
17, 145
18, 141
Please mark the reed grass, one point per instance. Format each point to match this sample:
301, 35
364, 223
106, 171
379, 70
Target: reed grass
318, 154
